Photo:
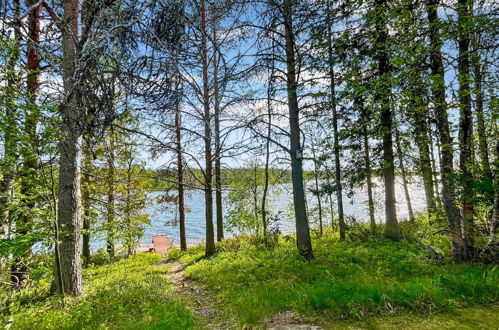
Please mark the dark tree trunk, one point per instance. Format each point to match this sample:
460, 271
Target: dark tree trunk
336, 144
85, 194
218, 155
180, 178
367, 164
405, 182
208, 190
466, 121
318, 195
303, 240
383, 99
446, 164
10, 134
69, 206
110, 195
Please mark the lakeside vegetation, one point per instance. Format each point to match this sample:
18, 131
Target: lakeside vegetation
374, 284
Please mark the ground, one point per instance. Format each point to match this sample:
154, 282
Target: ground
353, 285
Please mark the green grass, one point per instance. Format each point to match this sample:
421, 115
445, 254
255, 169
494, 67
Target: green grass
353, 280
132, 293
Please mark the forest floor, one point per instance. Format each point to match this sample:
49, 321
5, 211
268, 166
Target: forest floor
375, 284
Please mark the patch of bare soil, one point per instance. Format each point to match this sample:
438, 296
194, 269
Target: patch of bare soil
289, 320
201, 302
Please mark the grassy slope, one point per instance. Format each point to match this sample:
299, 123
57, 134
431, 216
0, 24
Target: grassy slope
129, 294
350, 280
375, 285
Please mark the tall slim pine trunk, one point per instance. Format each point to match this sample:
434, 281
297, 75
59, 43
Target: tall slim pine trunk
440, 108
85, 194
180, 178
383, 92
336, 144
303, 241
69, 207
208, 190
403, 172
218, 146
110, 207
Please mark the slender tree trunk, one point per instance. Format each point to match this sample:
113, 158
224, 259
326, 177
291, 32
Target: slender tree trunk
434, 170
180, 178
303, 240
11, 132
490, 253
208, 191
267, 155
218, 155
367, 162
446, 164
465, 122
419, 114
111, 178
69, 217
336, 144
383, 98
316, 177
480, 118
405, 182
85, 193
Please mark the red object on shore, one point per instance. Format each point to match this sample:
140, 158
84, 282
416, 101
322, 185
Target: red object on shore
162, 243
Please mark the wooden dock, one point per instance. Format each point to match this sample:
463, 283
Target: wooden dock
161, 244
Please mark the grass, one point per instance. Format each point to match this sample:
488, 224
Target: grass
346, 280
132, 293
374, 284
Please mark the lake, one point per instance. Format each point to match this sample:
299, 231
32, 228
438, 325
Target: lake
164, 217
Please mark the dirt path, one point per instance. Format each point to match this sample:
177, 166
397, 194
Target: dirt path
197, 298
203, 304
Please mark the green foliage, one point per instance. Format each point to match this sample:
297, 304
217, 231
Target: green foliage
132, 293
345, 280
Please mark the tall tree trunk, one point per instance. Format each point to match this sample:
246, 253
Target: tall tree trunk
110, 207
418, 113
367, 164
316, 177
490, 253
18, 269
405, 182
180, 178
483, 146
446, 164
336, 144
434, 170
69, 206
218, 155
303, 241
383, 99
208, 191
466, 121
85, 194
270, 94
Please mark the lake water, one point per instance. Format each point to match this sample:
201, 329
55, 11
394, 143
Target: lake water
163, 217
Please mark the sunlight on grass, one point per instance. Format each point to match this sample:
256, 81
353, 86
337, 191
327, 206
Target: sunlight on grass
132, 293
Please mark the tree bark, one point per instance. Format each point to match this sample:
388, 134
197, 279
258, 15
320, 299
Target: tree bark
303, 240
180, 178
110, 207
218, 155
367, 162
85, 193
208, 190
383, 99
316, 177
18, 269
336, 144
446, 164
465, 122
405, 182
69, 206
